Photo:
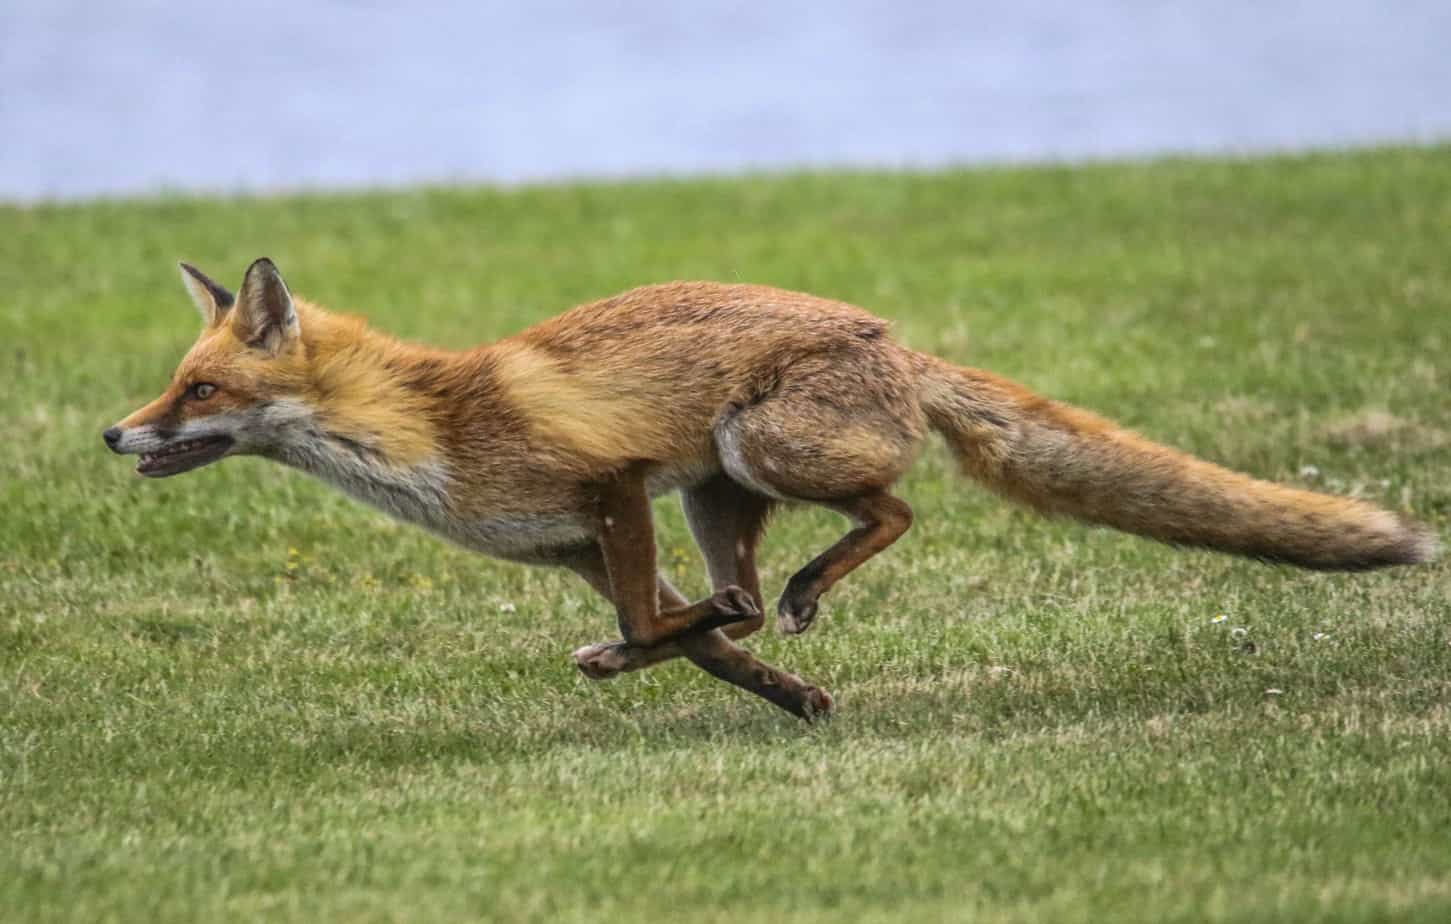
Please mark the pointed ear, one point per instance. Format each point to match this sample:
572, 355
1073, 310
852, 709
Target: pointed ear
265, 317
211, 299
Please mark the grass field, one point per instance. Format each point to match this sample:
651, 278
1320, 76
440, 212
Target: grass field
236, 695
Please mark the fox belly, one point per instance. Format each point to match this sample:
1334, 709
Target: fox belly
519, 536
535, 535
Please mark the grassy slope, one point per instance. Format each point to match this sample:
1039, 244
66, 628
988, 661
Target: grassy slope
235, 692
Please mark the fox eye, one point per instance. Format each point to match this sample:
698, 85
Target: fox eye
203, 390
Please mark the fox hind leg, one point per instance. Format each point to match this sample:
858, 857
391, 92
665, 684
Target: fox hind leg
837, 432
880, 520
727, 522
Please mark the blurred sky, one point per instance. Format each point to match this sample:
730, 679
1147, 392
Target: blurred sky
131, 96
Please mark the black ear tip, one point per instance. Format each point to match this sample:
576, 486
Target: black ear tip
263, 263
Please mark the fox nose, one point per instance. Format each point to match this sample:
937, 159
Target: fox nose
112, 437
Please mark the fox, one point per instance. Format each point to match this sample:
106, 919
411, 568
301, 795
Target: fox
547, 447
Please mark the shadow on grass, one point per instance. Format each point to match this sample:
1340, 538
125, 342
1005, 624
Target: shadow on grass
736, 724
975, 703
319, 725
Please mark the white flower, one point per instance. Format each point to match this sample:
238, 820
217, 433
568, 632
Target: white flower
1274, 691
1238, 632
1320, 636
507, 607
1220, 618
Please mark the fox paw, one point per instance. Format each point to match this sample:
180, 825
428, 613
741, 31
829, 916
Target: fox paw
730, 605
819, 704
794, 616
602, 661
725, 607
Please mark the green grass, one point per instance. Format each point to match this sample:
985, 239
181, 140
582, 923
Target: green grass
237, 695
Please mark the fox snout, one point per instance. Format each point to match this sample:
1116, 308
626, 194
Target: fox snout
126, 440
167, 453
129, 440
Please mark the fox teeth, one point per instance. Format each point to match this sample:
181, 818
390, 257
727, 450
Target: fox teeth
173, 450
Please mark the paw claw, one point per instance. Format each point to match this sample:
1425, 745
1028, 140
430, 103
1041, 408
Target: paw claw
729, 605
794, 617
601, 662
735, 602
819, 704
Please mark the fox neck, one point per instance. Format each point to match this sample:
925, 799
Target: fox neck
365, 421
417, 493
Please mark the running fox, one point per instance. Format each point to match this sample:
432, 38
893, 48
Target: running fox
546, 448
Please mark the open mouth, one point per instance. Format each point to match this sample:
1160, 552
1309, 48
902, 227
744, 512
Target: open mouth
183, 456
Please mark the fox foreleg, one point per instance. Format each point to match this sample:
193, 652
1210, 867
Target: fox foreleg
627, 544
622, 568
711, 651
604, 660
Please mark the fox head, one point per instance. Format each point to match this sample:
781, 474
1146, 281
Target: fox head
238, 389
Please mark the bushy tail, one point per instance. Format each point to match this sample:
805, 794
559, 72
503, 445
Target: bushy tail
1063, 460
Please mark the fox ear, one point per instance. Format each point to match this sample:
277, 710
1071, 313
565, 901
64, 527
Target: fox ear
265, 317
211, 299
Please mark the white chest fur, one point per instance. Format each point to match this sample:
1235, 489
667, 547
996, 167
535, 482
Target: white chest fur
419, 494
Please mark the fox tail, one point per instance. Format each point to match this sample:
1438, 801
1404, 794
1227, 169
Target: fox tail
1059, 459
